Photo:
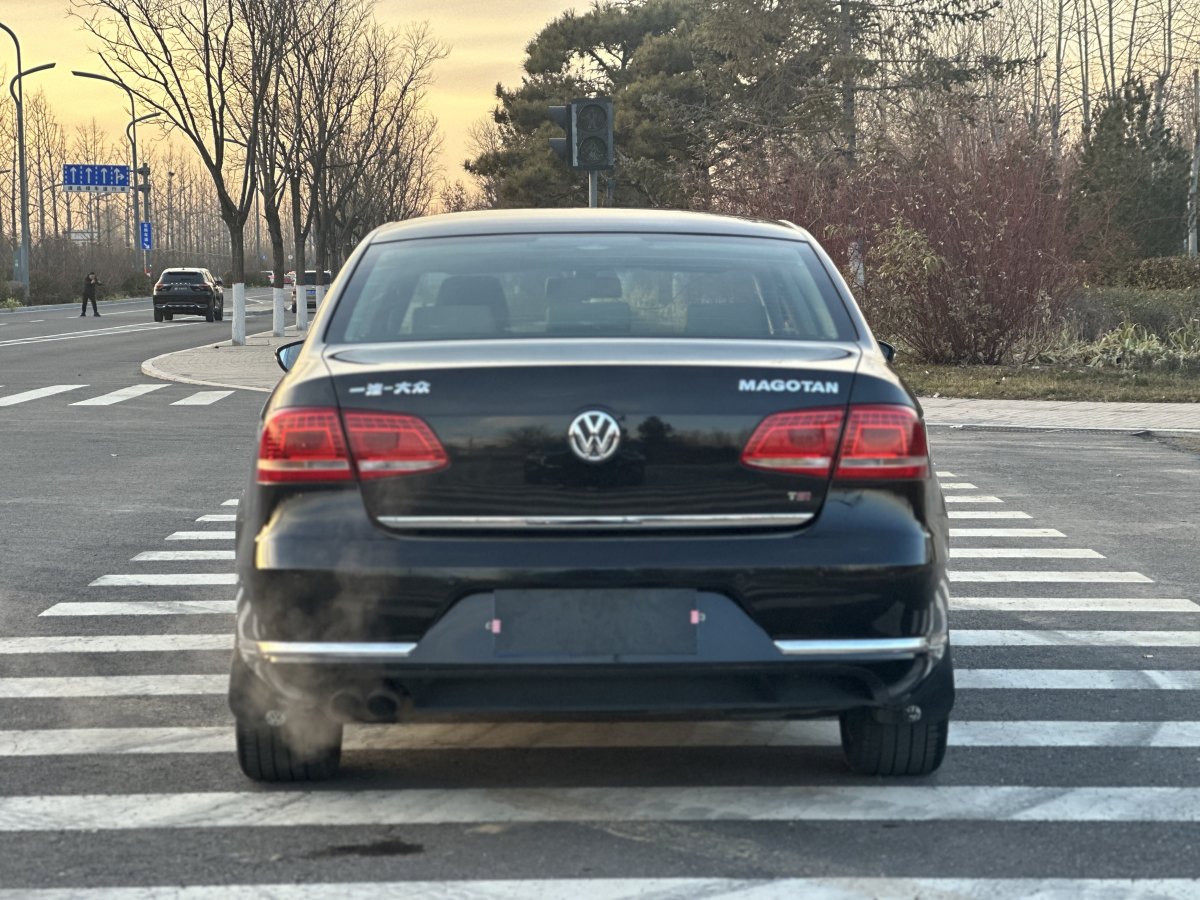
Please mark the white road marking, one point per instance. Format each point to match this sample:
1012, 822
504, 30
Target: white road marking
121, 395
741, 803
941, 474
93, 332
202, 398
958, 486
987, 514
1023, 553
201, 536
957, 498
966, 679
230, 503
556, 736
112, 686
872, 888
38, 393
218, 517
143, 608
1051, 577
1076, 680
1074, 638
1006, 532
175, 578
181, 555
1074, 604
115, 643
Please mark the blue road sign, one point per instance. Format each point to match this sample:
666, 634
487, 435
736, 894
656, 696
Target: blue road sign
96, 179
147, 236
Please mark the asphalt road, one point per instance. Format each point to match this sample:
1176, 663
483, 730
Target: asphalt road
1075, 758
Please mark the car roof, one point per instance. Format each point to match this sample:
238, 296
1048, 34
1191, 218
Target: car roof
183, 269
525, 221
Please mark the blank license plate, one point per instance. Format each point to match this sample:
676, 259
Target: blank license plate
605, 623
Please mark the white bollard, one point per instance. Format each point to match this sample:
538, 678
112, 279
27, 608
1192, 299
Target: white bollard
239, 314
278, 308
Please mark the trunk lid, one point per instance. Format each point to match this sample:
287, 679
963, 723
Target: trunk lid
597, 434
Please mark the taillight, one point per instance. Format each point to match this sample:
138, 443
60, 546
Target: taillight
386, 444
315, 445
303, 445
883, 442
801, 443
158, 287
878, 442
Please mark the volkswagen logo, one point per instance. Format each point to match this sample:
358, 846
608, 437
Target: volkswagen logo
594, 436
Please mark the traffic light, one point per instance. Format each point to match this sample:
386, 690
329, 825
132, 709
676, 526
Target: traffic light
588, 124
591, 133
561, 116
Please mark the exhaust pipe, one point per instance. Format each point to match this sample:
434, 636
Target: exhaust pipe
383, 705
346, 706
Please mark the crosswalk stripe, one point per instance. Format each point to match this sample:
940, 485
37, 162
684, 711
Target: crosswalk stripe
987, 514
979, 498
112, 686
967, 679
1023, 553
941, 474
1006, 532
824, 803
1077, 679
120, 396
182, 555
143, 608
115, 643
1074, 604
202, 398
37, 394
230, 503
1051, 577
608, 735
156, 580
218, 517
202, 536
1074, 638
958, 486
878, 888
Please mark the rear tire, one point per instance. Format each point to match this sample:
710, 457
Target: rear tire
886, 748
158, 316
209, 314
220, 314
168, 316
304, 748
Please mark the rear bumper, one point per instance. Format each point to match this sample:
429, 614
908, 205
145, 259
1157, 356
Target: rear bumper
850, 611
196, 305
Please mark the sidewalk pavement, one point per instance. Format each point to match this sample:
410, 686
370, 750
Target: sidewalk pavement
253, 368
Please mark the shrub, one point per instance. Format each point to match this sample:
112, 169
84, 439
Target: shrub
1095, 311
1134, 347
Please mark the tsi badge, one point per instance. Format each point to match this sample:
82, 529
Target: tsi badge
594, 436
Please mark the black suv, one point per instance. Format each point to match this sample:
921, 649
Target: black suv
189, 291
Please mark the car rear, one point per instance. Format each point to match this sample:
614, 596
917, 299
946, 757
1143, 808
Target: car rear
186, 292
640, 471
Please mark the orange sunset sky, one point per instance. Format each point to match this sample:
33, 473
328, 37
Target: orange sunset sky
487, 41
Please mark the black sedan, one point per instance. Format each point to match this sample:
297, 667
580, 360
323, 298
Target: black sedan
590, 464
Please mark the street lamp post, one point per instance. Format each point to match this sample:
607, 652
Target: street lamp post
131, 136
130, 133
18, 94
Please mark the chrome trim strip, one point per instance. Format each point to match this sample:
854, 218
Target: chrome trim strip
772, 520
325, 651
898, 648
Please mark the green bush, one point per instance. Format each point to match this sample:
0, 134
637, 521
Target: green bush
11, 303
1134, 347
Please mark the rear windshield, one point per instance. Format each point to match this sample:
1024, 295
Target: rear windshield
310, 277
182, 278
590, 285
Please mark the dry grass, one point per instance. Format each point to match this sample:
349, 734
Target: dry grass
1044, 382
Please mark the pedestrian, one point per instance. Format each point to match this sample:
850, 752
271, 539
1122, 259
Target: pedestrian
89, 293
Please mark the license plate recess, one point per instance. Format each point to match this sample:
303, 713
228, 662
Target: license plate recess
595, 623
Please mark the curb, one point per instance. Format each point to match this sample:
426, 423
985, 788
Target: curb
1138, 430
153, 371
